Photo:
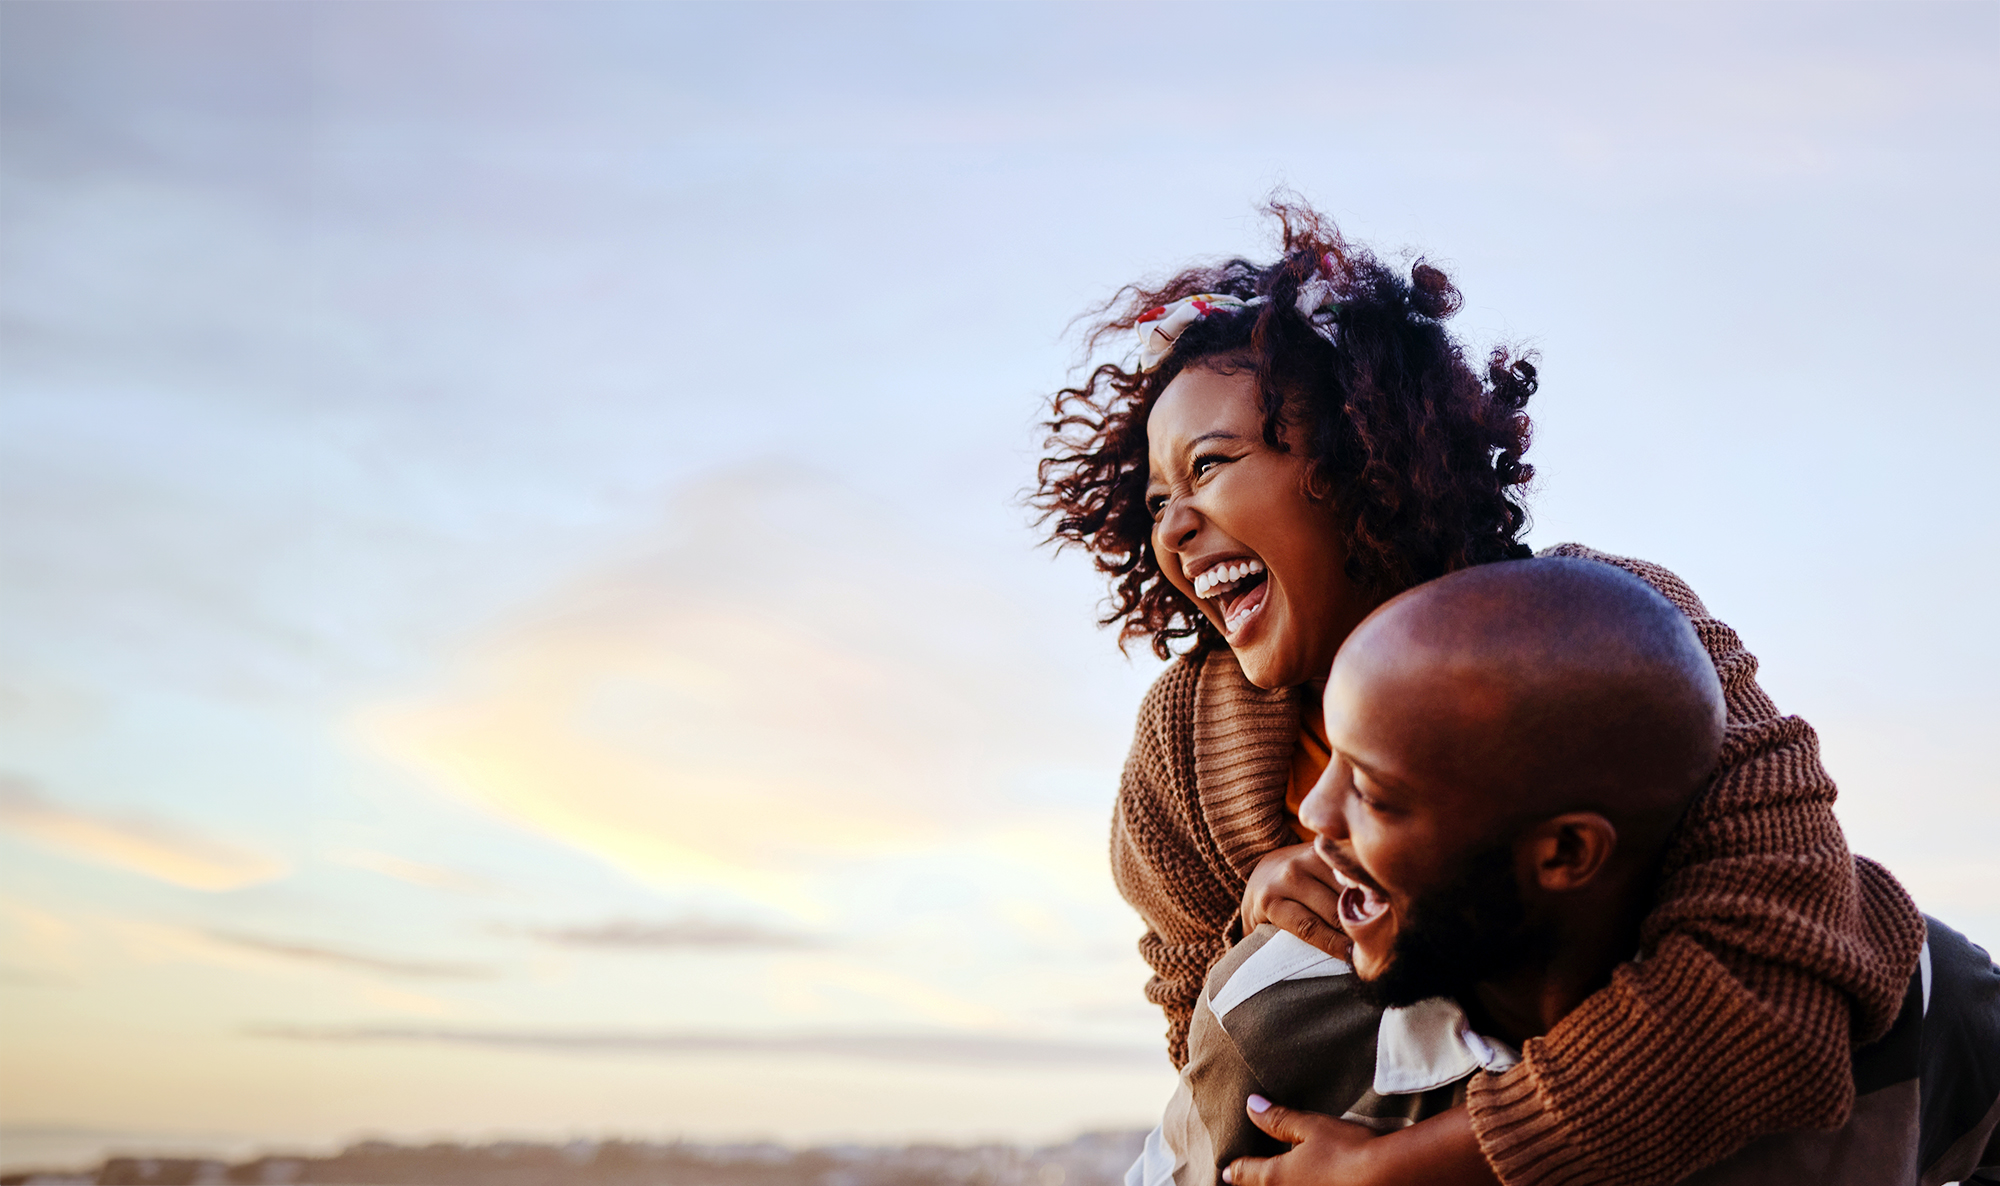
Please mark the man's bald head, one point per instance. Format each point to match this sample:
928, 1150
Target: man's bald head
1549, 685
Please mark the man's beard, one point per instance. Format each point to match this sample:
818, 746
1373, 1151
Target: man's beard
1473, 928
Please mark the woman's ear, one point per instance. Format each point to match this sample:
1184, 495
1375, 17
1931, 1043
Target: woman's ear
1319, 487
1570, 851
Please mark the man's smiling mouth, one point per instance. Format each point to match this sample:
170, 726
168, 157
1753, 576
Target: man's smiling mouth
1360, 903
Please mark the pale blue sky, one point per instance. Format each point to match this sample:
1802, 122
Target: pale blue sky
489, 493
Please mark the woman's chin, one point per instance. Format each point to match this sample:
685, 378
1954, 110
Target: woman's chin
1269, 666
1271, 653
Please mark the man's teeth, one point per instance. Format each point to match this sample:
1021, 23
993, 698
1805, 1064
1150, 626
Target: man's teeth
1358, 907
1365, 901
1213, 579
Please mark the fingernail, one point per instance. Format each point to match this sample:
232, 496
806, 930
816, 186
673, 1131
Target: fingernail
1229, 1174
1259, 1104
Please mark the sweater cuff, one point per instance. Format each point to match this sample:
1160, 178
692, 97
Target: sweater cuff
1520, 1137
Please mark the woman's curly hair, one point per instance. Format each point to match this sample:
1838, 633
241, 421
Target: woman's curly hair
1420, 453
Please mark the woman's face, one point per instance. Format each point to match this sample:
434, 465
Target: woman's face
1236, 533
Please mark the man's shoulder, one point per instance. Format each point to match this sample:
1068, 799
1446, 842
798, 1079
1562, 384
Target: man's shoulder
1959, 1053
1289, 1013
1266, 956
1927, 1093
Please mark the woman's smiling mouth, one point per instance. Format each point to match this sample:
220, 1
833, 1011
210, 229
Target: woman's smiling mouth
1236, 587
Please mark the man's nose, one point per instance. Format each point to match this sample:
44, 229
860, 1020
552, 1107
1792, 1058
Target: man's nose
1324, 808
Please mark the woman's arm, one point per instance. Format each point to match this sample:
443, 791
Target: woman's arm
1439, 1151
1157, 856
1770, 951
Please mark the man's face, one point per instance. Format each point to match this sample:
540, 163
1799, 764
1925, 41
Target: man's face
1405, 818
1472, 928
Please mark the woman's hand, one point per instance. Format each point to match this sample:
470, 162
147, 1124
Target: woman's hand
1325, 1151
1294, 889
1440, 1151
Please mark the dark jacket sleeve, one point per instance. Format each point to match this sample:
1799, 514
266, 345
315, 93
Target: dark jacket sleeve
1769, 951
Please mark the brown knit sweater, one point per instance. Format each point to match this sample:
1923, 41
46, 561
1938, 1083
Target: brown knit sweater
1769, 951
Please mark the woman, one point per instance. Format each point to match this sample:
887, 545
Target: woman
1298, 442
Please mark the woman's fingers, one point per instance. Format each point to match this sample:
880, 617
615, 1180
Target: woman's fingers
1273, 870
1289, 1126
1320, 897
1262, 1171
1307, 924
1293, 888
1294, 873
1281, 1122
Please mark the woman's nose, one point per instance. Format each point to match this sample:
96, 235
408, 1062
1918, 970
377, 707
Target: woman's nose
1178, 525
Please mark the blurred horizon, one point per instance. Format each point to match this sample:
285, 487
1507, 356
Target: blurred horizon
1097, 1158
516, 611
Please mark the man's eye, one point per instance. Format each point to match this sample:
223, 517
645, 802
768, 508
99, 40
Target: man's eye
1155, 504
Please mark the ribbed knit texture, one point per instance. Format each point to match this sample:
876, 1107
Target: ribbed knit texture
1186, 834
1769, 951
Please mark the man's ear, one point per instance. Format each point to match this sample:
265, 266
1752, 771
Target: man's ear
1567, 852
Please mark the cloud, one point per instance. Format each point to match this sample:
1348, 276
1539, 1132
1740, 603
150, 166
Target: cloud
29, 978
313, 953
791, 681
816, 986
136, 845
674, 935
420, 873
945, 1048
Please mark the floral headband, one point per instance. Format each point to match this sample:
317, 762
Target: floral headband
1159, 328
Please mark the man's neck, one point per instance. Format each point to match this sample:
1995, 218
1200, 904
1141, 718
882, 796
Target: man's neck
1590, 941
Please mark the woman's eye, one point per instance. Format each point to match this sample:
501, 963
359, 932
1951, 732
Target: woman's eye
1206, 462
1155, 504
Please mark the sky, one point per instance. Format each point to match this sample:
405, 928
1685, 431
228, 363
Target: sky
516, 612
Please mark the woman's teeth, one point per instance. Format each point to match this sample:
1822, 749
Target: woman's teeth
1239, 603
1213, 580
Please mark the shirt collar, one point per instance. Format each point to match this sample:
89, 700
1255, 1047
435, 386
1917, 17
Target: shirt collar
1430, 1044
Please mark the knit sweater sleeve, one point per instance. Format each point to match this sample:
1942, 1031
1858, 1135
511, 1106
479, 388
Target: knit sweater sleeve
1160, 855
1769, 951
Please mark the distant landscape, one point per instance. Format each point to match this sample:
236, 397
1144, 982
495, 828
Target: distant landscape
1093, 1159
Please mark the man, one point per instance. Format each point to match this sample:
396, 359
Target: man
1512, 747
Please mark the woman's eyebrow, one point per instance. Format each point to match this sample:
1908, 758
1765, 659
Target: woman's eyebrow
1187, 450
1215, 434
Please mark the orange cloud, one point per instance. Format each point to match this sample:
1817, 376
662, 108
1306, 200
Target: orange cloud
790, 683
148, 847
